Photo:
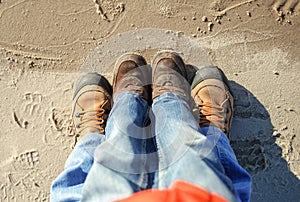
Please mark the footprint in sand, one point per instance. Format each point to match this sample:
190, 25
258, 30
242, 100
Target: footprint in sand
30, 109
286, 6
59, 123
26, 160
245, 106
32, 103
6, 192
23, 185
286, 9
60, 120
251, 155
109, 10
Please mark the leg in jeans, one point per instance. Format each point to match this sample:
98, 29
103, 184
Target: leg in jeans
68, 185
122, 163
91, 105
239, 177
202, 157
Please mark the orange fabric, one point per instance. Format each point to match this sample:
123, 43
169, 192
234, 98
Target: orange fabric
179, 191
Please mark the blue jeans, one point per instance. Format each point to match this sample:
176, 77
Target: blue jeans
135, 154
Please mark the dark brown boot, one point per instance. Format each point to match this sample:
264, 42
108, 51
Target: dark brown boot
91, 105
211, 92
132, 74
169, 75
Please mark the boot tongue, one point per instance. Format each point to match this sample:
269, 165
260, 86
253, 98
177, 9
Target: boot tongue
212, 95
92, 100
213, 91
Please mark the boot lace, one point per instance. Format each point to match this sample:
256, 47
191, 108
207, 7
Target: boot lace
92, 118
212, 114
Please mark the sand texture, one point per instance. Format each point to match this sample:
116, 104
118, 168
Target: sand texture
45, 45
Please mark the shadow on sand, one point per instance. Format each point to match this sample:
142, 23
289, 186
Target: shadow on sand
254, 144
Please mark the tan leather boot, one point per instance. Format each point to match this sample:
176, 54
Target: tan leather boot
169, 75
211, 92
91, 105
132, 74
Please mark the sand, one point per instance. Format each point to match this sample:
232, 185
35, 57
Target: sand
44, 45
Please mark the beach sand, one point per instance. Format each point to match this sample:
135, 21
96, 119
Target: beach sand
45, 45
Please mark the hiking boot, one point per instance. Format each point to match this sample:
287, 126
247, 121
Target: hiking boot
212, 94
169, 75
132, 74
91, 105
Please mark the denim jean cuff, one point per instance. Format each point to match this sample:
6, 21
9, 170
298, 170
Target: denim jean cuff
167, 95
126, 93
